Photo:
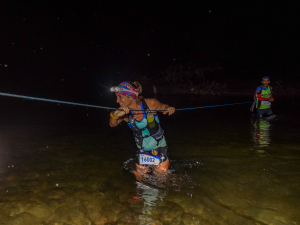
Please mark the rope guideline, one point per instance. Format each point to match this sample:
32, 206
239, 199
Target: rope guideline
104, 107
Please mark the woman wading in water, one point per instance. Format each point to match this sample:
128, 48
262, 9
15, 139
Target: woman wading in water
152, 149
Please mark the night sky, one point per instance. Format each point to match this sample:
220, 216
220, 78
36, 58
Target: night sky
66, 50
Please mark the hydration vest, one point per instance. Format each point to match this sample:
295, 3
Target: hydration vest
151, 135
265, 94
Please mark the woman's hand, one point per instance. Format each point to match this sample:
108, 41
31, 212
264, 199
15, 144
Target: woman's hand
170, 111
120, 115
121, 112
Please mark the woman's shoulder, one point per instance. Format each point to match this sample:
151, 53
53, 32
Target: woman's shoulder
151, 101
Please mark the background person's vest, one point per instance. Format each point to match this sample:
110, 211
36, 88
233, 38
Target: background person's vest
264, 94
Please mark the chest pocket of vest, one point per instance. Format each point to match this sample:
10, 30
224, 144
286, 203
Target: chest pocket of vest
159, 134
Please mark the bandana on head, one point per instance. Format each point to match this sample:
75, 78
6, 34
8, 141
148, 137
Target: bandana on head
266, 78
126, 89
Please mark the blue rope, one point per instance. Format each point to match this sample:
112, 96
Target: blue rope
103, 107
56, 101
213, 106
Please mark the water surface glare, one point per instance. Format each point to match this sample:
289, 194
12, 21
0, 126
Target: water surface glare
63, 165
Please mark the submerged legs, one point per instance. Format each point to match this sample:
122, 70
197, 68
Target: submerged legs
159, 171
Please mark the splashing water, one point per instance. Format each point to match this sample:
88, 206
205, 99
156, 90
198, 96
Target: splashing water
176, 178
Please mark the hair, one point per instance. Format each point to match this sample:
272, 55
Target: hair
139, 89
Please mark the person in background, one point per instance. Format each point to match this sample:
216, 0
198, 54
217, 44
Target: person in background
141, 117
264, 98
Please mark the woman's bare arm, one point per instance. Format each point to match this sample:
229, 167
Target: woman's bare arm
156, 105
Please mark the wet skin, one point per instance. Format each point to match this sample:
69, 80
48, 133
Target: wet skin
127, 104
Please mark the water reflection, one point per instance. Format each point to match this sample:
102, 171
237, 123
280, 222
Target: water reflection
152, 197
261, 134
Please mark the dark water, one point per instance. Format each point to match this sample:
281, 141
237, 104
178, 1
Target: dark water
61, 165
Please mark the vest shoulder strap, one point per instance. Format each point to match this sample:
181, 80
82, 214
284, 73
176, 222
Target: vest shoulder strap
145, 106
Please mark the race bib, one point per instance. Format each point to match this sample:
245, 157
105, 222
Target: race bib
149, 157
266, 102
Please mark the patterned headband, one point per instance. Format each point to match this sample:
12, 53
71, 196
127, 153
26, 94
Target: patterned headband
125, 89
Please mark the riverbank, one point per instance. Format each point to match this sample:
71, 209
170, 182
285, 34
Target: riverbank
211, 90
251, 92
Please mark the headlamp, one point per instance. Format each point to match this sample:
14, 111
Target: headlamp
113, 89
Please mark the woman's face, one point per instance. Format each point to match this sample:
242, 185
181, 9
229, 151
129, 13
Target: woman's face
124, 101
